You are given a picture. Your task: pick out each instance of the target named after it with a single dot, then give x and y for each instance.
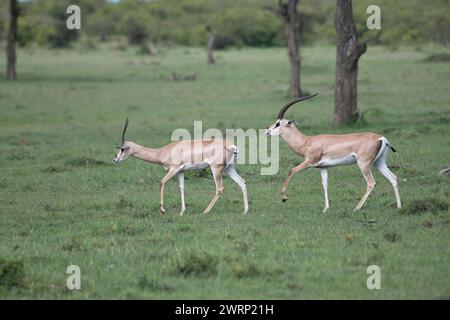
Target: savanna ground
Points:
(63, 202)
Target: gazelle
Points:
(326, 150)
(181, 156)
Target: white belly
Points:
(195, 166)
(347, 160)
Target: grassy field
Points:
(63, 202)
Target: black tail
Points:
(392, 148)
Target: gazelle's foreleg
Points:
(304, 165)
(231, 172)
(217, 174)
(170, 174)
(324, 176)
(181, 183)
(365, 170)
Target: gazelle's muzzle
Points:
(117, 158)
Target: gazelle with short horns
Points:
(180, 156)
(325, 150)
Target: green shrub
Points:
(12, 273)
(246, 270)
(419, 206)
(439, 57)
(197, 264)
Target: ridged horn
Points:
(287, 106)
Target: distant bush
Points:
(244, 23)
(223, 42)
(247, 26)
(440, 57)
(134, 27)
(48, 20)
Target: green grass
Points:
(62, 201)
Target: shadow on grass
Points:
(86, 162)
(196, 264)
(420, 206)
(12, 273)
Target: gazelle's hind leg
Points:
(381, 165)
(181, 183)
(365, 170)
(217, 174)
(231, 172)
(324, 175)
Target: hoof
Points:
(325, 210)
(162, 210)
(284, 199)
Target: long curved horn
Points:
(124, 130)
(287, 106)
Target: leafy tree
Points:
(243, 23)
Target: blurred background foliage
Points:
(234, 23)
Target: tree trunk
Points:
(347, 55)
(210, 48)
(11, 42)
(290, 20)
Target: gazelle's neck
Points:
(146, 154)
(295, 139)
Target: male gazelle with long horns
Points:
(326, 150)
(180, 156)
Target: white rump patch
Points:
(234, 149)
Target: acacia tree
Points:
(348, 53)
(289, 14)
(11, 41)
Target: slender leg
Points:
(304, 165)
(365, 169)
(324, 175)
(217, 174)
(384, 170)
(181, 182)
(231, 172)
(169, 174)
